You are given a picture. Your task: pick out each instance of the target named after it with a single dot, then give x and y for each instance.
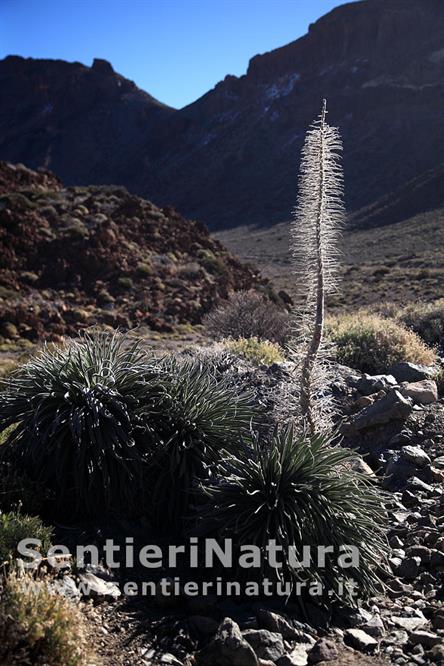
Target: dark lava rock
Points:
(404, 371)
(228, 648)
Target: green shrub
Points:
(248, 314)
(213, 264)
(104, 297)
(14, 527)
(261, 352)
(29, 277)
(38, 627)
(299, 492)
(145, 268)
(371, 343)
(76, 230)
(427, 320)
(125, 282)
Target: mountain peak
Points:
(102, 66)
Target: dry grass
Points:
(372, 343)
(38, 627)
(426, 319)
(260, 352)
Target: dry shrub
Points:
(261, 352)
(371, 343)
(439, 379)
(427, 320)
(248, 314)
(14, 527)
(38, 627)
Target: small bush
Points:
(299, 492)
(261, 352)
(39, 628)
(248, 314)
(371, 343)
(14, 527)
(213, 264)
(427, 320)
(125, 282)
(145, 268)
(104, 297)
(6, 367)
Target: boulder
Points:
(436, 655)
(403, 371)
(424, 392)
(416, 484)
(391, 407)
(398, 471)
(374, 627)
(323, 650)
(168, 659)
(266, 644)
(437, 559)
(228, 648)
(425, 638)
(409, 623)
(369, 384)
(439, 462)
(66, 587)
(360, 640)
(96, 588)
(409, 568)
(420, 551)
(438, 619)
(415, 455)
(297, 657)
(204, 625)
(278, 624)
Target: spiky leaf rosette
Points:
(77, 424)
(299, 492)
(202, 417)
(315, 230)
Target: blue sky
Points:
(174, 49)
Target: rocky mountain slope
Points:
(72, 258)
(419, 195)
(231, 157)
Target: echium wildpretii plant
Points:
(315, 228)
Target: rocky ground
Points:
(397, 422)
(397, 263)
(76, 257)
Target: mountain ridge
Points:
(231, 157)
